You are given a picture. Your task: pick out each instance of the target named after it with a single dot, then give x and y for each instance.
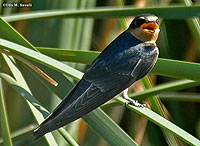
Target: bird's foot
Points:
(134, 103)
(131, 101)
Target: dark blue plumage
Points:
(124, 61)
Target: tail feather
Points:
(45, 127)
(54, 121)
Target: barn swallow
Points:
(124, 61)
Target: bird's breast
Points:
(146, 50)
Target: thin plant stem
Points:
(4, 120)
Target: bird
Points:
(128, 58)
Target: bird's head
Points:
(145, 27)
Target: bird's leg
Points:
(131, 101)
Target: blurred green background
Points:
(179, 40)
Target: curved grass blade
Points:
(4, 120)
(110, 131)
(25, 94)
(169, 86)
(181, 12)
(9, 33)
(20, 80)
(162, 122)
(164, 67)
(177, 69)
(78, 56)
(156, 105)
(194, 25)
(40, 58)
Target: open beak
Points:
(149, 27)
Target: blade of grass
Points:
(108, 129)
(85, 35)
(9, 33)
(33, 67)
(66, 33)
(78, 56)
(164, 67)
(38, 116)
(169, 86)
(35, 103)
(178, 69)
(4, 120)
(38, 57)
(181, 12)
(164, 123)
(31, 100)
(21, 133)
(180, 96)
(156, 105)
(194, 24)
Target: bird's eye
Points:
(157, 21)
(139, 22)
